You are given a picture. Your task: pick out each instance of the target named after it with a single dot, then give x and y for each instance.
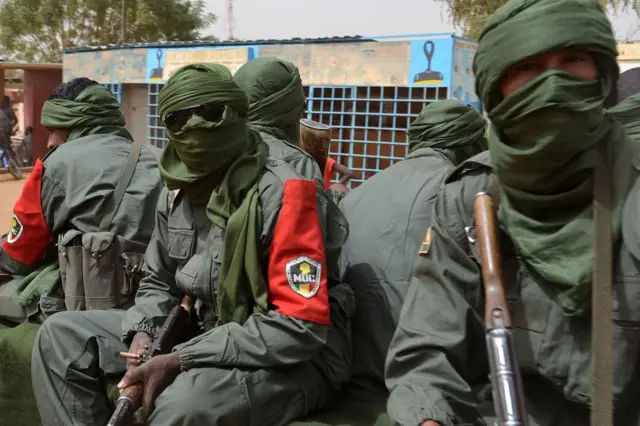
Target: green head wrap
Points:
(94, 110)
(197, 157)
(220, 164)
(627, 113)
(276, 96)
(450, 127)
(544, 135)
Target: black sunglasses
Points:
(176, 120)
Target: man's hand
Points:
(430, 423)
(346, 173)
(138, 347)
(154, 376)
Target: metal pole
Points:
(124, 22)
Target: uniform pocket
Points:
(187, 275)
(132, 264)
(99, 270)
(180, 243)
(70, 252)
(101, 275)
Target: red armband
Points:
(297, 261)
(29, 234)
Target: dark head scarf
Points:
(220, 163)
(627, 112)
(545, 135)
(450, 127)
(94, 111)
(628, 83)
(276, 96)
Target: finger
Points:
(132, 376)
(147, 400)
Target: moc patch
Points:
(16, 230)
(303, 275)
(426, 243)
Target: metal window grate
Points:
(116, 89)
(156, 134)
(369, 123)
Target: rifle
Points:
(130, 397)
(506, 383)
(315, 139)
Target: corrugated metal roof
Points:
(226, 43)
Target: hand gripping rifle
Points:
(506, 383)
(131, 396)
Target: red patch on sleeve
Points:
(297, 262)
(29, 234)
(328, 172)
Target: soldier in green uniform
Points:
(442, 136)
(276, 104)
(377, 258)
(627, 112)
(245, 235)
(64, 201)
(545, 71)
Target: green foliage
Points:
(38, 30)
(469, 15)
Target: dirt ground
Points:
(9, 191)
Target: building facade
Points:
(368, 89)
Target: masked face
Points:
(572, 61)
(551, 113)
(209, 146)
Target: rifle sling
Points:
(121, 186)
(601, 317)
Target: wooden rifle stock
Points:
(506, 382)
(130, 397)
(488, 240)
(315, 139)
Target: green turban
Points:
(627, 113)
(545, 136)
(197, 157)
(276, 96)
(453, 128)
(94, 110)
(524, 28)
(220, 164)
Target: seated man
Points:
(65, 200)
(627, 112)
(558, 160)
(378, 257)
(245, 235)
(68, 196)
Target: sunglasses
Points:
(176, 120)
